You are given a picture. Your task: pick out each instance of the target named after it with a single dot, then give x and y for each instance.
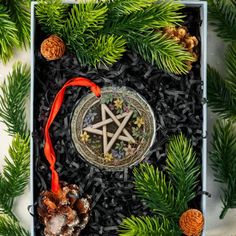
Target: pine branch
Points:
(148, 226)
(183, 169)
(84, 18)
(106, 50)
(11, 227)
(165, 53)
(16, 170)
(221, 98)
(231, 63)
(124, 7)
(223, 161)
(222, 15)
(51, 15)
(20, 14)
(8, 35)
(162, 14)
(152, 187)
(12, 100)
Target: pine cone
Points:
(64, 214)
(191, 222)
(52, 48)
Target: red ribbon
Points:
(48, 147)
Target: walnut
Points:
(52, 48)
(191, 222)
(64, 214)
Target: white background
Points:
(214, 226)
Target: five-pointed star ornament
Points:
(120, 134)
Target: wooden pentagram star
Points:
(126, 137)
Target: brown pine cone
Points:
(52, 48)
(191, 222)
(66, 213)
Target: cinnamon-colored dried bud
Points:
(195, 40)
(169, 31)
(189, 64)
(191, 222)
(195, 57)
(181, 31)
(189, 43)
(177, 39)
(52, 48)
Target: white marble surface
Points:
(214, 226)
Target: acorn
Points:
(191, 222)
(52, 48)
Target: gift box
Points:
(39, 106)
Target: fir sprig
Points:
(15, 175)
(223, 162)
(51, 14)
(222, 15)
(124, 7)
(152, 187)
(222, 91)
(20, 15)
(148, 226)
(8, 35)
(12, 100)
(169, 55)
(183, 169)
(11, 227)
(166, 196)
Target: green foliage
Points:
(222, 15)
(14, 26)
(12, 100)
(166, 196)
(182, 168)
(51, 14)
(148, 226)
(91, 26)
(169, 55)
(8, 35)
(223, 162)
(124, 7)
(11, 227)
(222, 91)
(20, 15)
(152, 187)
(231, 64)
(15, 175)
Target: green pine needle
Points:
(8, 35)
(15, 175)
(107, 49)
(11, 227)
(152, 187)
(16, 170)
(182, 168)
(223, 161)
(165, 53)
(222, 15)
(231, 63)
(84, 18)
(12, 100)
(221, 98)
(19, 12)
(148, 226)
(51, 14)
(124, 7)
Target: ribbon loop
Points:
(48, 147)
